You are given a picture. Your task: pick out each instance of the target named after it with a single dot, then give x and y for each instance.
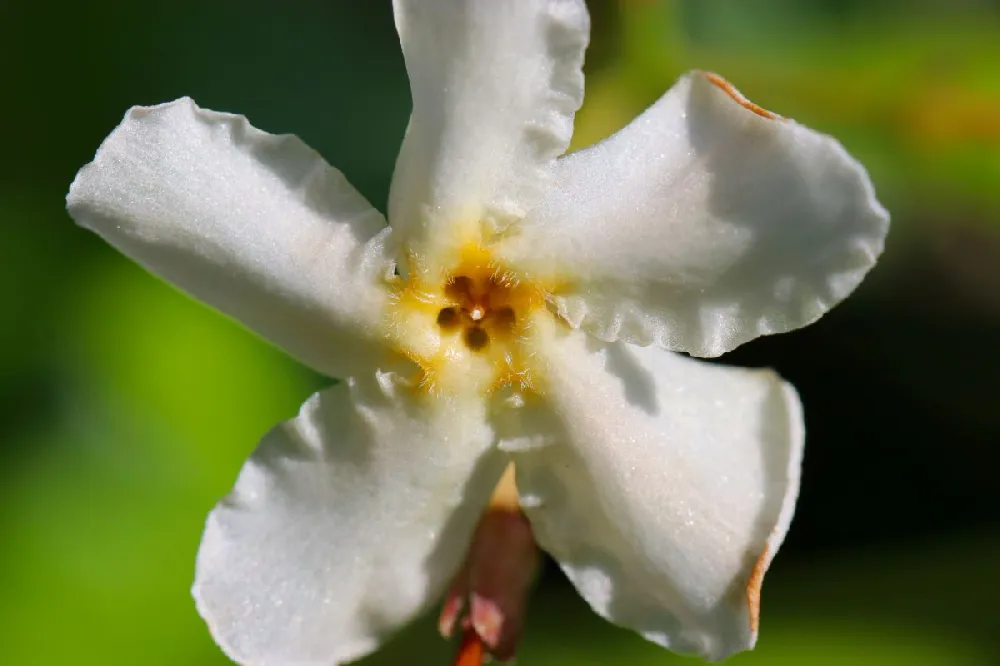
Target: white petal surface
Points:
(257, 226)
(495, 86)
(666, 489)
(703, 224)
(344, 524)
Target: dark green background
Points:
(126, 409)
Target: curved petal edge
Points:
(495, 87)
(346, 522)
(256, 225)
(703, 224)
(665, 488)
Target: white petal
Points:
(344, 524)
(703, 224)
(666, 489)
(257, 226)
(495, 86)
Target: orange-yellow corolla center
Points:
(465, 323)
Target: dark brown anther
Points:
(504, 317)
(476, 339)
(459, 287)
(447, 318)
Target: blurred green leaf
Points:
(917, 104)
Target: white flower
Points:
(510, 330)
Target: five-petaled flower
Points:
(519, 306)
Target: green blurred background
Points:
(127, 409)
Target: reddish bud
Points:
(493, 584)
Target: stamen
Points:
(476, 339)
(504, 316)
(459, 287)
(447, 317)
(479, 309)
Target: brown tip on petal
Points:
(730, 90)
(753, 590)
(471, 652)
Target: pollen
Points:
(464, 322)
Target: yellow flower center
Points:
(464, 324)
